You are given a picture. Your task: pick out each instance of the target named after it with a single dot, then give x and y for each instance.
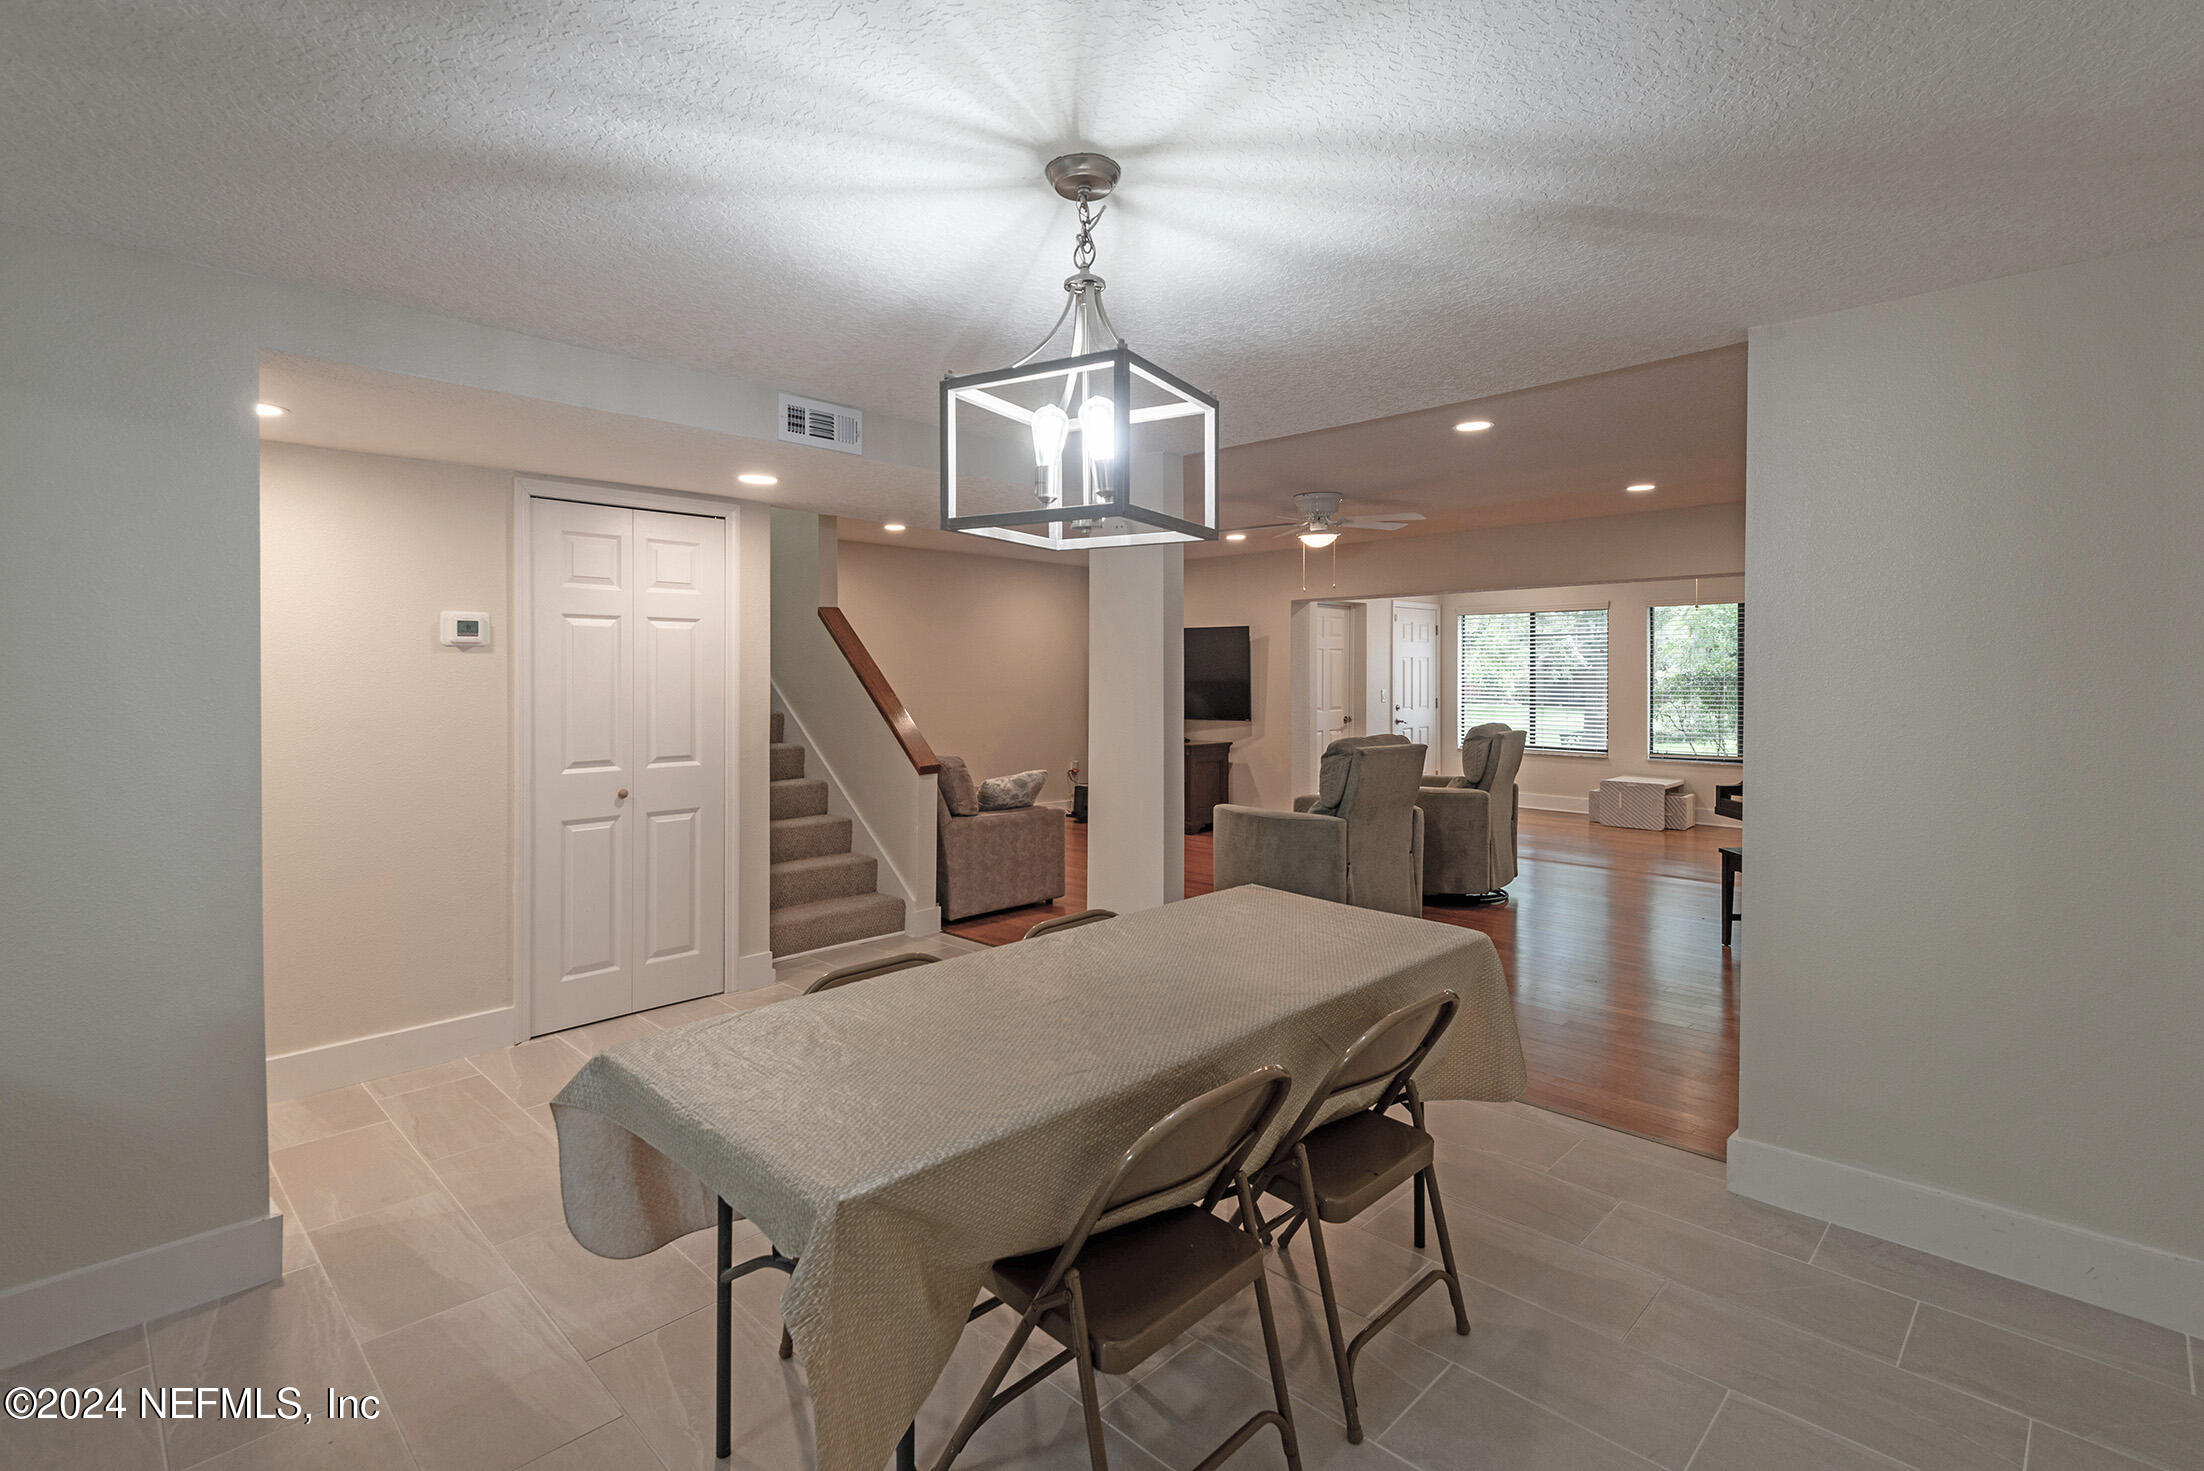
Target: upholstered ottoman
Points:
(1650, 803)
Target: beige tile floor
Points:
(1629, 1311)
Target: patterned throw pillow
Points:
(1006, 793)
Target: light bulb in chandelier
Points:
(1098, 444)
(1051, 425)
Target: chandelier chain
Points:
(1082, 250)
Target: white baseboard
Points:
(341, 1064)
(922, 920)
(753, 972)
(54, 1313)
(2157, 1286)
(1543, 802)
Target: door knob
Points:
(622, 794)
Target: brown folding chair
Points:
(1336, 1171)
(868, 970)
(1069, 922)
(1113, 1297)
(729, 1272)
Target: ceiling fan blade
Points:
(1293, 530)
(1383, 518)
(1266, 525)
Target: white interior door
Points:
(1329, 683)
(1416, 675)
(629, 778)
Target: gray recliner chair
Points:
(1469, 821)
(1357, 841)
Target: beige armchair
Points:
(1357, 841)
(984, 861)
(1469, 821)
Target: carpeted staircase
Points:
(822, 893)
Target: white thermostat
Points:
(465, 630)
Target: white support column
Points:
(1136, 736)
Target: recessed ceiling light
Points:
(752, 477)
(1640, 488)
(1235, 536)
(268, 411)
(1473, 426)
(891, 526)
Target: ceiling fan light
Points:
(1315, 539)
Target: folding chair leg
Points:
(906, 1450)
(1340, 1363)
(982, 1401)
(1090, 1403)
(1446, 1255)
(1419, 1210)
(1278, 1375)
(726, 1333)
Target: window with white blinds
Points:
(1544, 673)
(1697, 688)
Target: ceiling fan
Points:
(1321, 523)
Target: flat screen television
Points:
(1217, 674)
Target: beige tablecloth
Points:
(898, 1135)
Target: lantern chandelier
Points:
(1097, 448)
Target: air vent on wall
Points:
(822, 425)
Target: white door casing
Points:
(1416, 675)
(1331, 670)
(628, 790)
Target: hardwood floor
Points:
(1612, 941)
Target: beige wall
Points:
(1261, 591)
(133, 1061)
(386, 805)
(1973, 953)
(1563, 781)
(989, 654)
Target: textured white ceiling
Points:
(1333, 211)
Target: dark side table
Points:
(1733, 863)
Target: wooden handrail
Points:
(900, 724)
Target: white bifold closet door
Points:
(629, 761)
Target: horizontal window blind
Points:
(1697, 688)
(1543, 673)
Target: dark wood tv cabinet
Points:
(1208, 781)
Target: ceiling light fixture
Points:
(1235, 536)
(892, 526)
(1473, 426)
(1009, 468)
(753, 477)
(1315, 539)
(1640, 488)
(268, 410)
